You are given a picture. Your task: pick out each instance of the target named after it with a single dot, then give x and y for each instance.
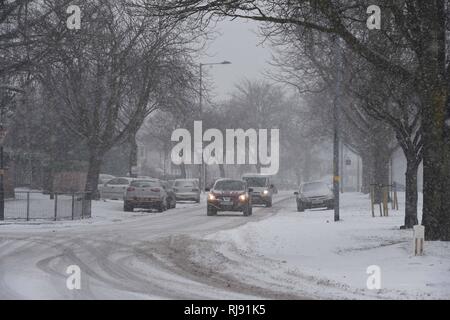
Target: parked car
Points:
(187, 189)
(115, 188)
(104, 178)
(263, 188)
(147, 194)
(314, 195)
(229, 195)
(171, 196)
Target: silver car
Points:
(104, 178)
(147, 194)
(187, 189)
(115, 188)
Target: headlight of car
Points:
(211, 197)
(265, 192)
(243, 197)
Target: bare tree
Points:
(108, 77)
(419, 29)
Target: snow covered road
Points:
(137, 255)
(277, 253)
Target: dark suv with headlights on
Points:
(314, 195)
(229, 195)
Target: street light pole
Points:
(336, 176)
(203, 165)
(2, 189)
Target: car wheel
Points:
(127, 207)
(300, 207)
(211, 211)
(161, 207)
(269, 204)
(197, 200)
(174, 204)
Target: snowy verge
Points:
(309, 254)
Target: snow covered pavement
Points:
(309, 253)
(277, 253)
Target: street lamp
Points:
(201, 78)
(2, 170)
(203, 169)
(337, 90)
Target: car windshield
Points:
(256, 181)
(145, 184)
(185, 184)
(315, 186)
(229, 185)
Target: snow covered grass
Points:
(102, 212)
(337, 254)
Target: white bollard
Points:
(418, 241)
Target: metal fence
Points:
(34, 205)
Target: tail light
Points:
(155, 189)
(131, 189)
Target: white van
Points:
(262, 186)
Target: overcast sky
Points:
(238, 43)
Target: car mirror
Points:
(296, 193)
(272, 186)
(250, 189)
(207, 189)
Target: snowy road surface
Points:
(277, 253)
(136, 255)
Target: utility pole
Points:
(337, 89)
(358, 182)
(2, 168)
(203, 165)
(342, 165)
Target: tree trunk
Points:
(367, 172)
(436, 170)
(183, 170)
(298, 176)
(95, 162)
(307, 167)
(381, 170)
(434, 91)
(258, 167)
(132, 159)
(411, 193)
(222, 171)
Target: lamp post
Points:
(203, 166)
(2, 170)
(337, 89)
